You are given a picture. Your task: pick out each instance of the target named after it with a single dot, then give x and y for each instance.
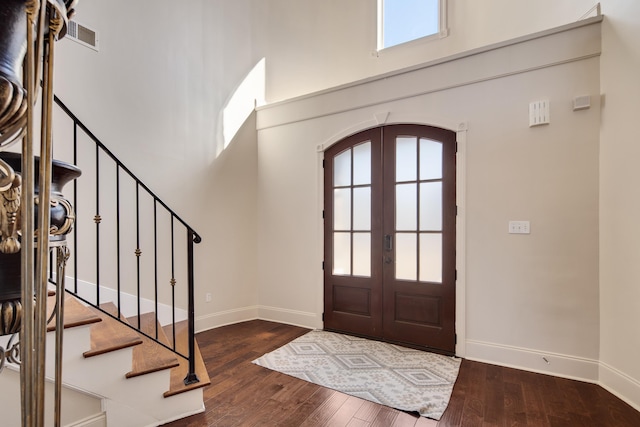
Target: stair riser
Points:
(105, 375)
(121, 415)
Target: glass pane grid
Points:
(352, 211)
(419, 206)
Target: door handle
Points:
(388, 243)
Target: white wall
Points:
(156, 89)
(78, 408)
(620, 200)
(313, 45)
(154, 94)
(526, 296)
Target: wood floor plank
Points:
(368, 412)
(251, 398)
(514, 412)
(75, 313)
(427, 422)
(554, 403)
(494, 397)
(244, 394)
(325, 410)
(226, 403)
(533, 400)
(473, 408)
(386, 416)
(453, 414)
(149, 356)
(404, 420)
(283, 402)
(110, 335)
(346, 412)
(308, 407)
(179, 373)
(355, 422)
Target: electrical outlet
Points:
(207, 297)
(519, 227)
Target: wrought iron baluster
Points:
(155, 262)
(97, 219)
(138, 251)
(118, 248)
(191, 375)
(173, 287)
(75, 204)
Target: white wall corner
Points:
(227, 317)
(620, 384)
(303, 319)
(560, 365)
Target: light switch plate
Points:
(519, 227)
(539, 113)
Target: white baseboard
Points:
(560, 365)
(128, 302)
(620, 385)
(303, 319)
(185, 415)
(274, 314)
(98, 420)
(616, 382)
(227, 317)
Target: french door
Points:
(390, 236)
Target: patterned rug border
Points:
(399, 377)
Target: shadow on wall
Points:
(249, 94)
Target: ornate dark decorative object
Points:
(62, 218)
(28, 34)
(13, 46)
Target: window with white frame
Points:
(402, 21)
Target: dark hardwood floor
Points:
(243, 394)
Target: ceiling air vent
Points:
(83, 35)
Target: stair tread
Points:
(75, 314)
(180, 372)
(110, 335)
(150, 357)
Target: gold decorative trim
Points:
(70, 217)
(9, 215)
(10, 317)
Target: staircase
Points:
(139, 382)
(128, 258)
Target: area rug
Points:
(399, 377)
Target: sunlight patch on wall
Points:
(249, 94)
